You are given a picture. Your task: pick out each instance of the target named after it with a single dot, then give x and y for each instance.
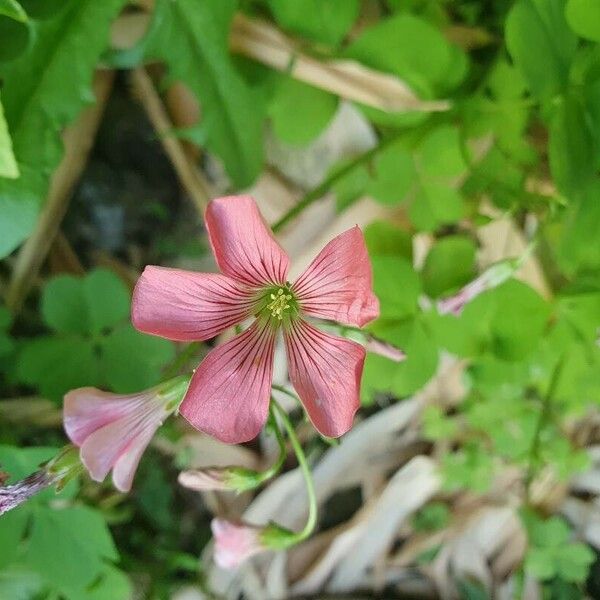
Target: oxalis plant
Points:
(230, 395)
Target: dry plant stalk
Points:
(189, 175)
(78, 140)
(348, 79)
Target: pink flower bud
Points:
(383, 348)
(235, 542)
(113, 430)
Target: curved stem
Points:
(276, 466)
(310, 487)
(284, 390)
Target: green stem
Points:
(546, 405)
(310, 487)
(276, 466)
(284, 390)
(181, 360)
(323, 188)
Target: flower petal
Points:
(326, 372)
(127, 464)
(243, 245)
(105, 447)
(228, 397)
(235, 543)
(185, 306)
(88, 409)
(338, 284)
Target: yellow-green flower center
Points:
(278, 304)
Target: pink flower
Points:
(229, 394)
(112, 430)
(234, 543)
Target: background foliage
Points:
(520, 139)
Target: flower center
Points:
(279, 303)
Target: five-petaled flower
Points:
(228, 396)
(113, 430)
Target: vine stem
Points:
(276, 466)
(338, 174)
(310, 487)
(546, 405)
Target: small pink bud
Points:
(235, 542)
(383, 348)
(236, 479)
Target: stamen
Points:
(279, 303)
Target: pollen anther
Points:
(279, 303)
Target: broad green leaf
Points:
(404, 378)
(392, 174)
(69, 548)
(192, 38)
(541, 44)
(20, 584)
(8, 164)
(584, 18)
(112, 585)
(64, 305)
(300, 112)
(449, 265)
(396, 285)
(107, 300)
(133, 361)
(413, 50)
(15, 36)
(12, 9)
(44, 9)
(12, 529)
(574, 562)
(578, 247)
(385, 239)
(539, 562)
(56, 365)
(572, 150)
(44, 90)
(441, 154)
(321, 20)
(435, 204)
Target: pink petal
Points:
(243, 245)
(127, 464)
(88, 409)
(228, 397)
(234, 543)
(185, 306)
(338, 284)
(101, 450)
(326, 372)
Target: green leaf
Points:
(441, 153)
(192, 38)
(300, 112)
(584, 18)
(406, 377)
(56, 365)
(431, 517)
(413, 50)
(113, 585)
(8, 164)
(133, 361)
(44, 90)
(572, 150)
(435, 204)
(393, 174)
(15, 36)
(12, 529)
(539, 562)
(64, 305)
(69, 547)
(574, 562)
(321, 20)
(384, 239)
(12, 9)
(541, 44)
(449, 265)
(20, 584)
(578, 244)
(107, 299)
(396, 285)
